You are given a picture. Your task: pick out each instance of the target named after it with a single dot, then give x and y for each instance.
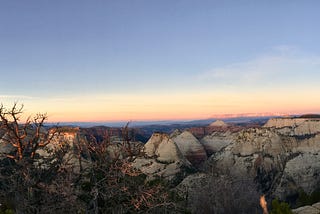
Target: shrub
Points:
(280, 207)
(305, 199)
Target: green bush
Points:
(9, 211)
(280, 207)
(305, 199)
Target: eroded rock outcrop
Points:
(301, 171)
(295, 126)
(162, 148)
(247, 150)
(279, 159)
(216, 141)
(190, 148)
(255, 141)
(162, 158)
(279, 164)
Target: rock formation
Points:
(280, 158)
(295, 126)
(163, 148)
(190, 148)
(314, 209)
(218, 123)
(280, 164)
(163, 158)
(216, 141)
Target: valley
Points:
(218, 167)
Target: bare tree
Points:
(106, 183)
(115, 186)
(26, 137)
(32, 183)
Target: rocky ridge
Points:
(280, 163)
(295, 126)
(280, 158)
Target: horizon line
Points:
(214, 116)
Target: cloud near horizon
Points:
(281, 66)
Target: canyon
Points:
(279, 159)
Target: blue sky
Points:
(93, 55)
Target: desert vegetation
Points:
(42, 175)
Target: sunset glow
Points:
(171, 107)
(113, 61)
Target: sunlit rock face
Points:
(162, 158)
(70, 140)
(66, 136)
(55, 140)
(295, 126)
(190, 148)
(59, 139)
(218, 123)
(163, 148)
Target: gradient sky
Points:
(105, 60)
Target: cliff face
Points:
(248, 152)
(295, 126)
(279, 164)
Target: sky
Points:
(104, 60)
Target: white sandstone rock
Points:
(216, 141)
(219, 123)
(190, 147)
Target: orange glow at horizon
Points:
(100, 108)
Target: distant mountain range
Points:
(242, 119)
